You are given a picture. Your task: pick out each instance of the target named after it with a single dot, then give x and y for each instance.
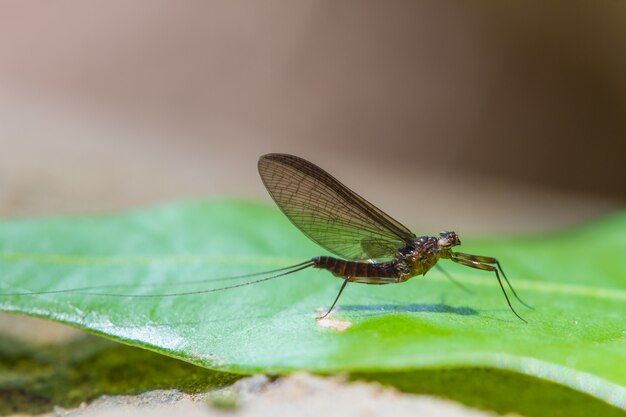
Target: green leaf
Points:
(498, 390)
(576, 336)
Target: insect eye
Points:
(443, 242)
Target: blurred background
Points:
(482, 117)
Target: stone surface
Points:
(298, 395)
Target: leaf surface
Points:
(576, 280)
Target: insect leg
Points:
(454, 281)
(490, 260)
(484, 267)
(345, 282)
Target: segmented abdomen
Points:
(352, 269)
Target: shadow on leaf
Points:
(411, 308)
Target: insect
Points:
(370, 246)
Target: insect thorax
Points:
(422, 255)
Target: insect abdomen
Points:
(352, 269)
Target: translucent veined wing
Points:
(330, 213)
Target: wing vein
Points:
(330, 213)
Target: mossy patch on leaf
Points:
(34, 379)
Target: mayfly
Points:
(371, 247)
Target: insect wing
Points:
(328, 212)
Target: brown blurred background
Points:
(479, 116)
